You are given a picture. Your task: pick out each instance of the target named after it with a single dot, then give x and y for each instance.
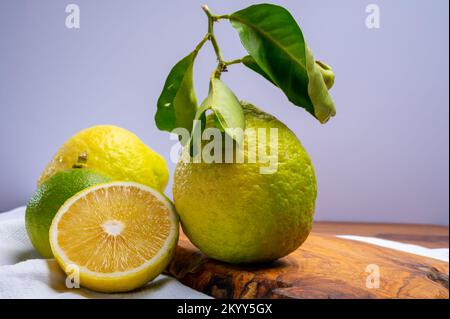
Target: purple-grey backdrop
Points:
(384, 157)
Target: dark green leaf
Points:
(177, 103)
(249, 62)
(271, 36)
(327, 72)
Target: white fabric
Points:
(435, 253)
(24, 275)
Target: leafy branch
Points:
(276, 50)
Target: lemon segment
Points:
(119, 235)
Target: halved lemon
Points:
(117, 236)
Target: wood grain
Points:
(431, 236)
(324, 267)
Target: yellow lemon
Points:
(112, 151)
(117, 236)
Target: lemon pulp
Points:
(120, 235)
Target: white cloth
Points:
(435, 253)
(24, 275)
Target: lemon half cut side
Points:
(117, 236)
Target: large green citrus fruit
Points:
(233, 213)
(49, 197)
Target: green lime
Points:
(234, 212)
(49, 197)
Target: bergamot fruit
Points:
(234, 213)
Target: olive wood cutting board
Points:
(323, 267)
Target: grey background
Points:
(384, 157)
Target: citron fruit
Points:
(49, 197)
(118, 236)
(113, 151)
(234, 213)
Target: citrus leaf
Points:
(199, 123)
(318, 91)
(227, 109)
(327, 72)
(274, 40)
(177, 103)
(249, 62)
